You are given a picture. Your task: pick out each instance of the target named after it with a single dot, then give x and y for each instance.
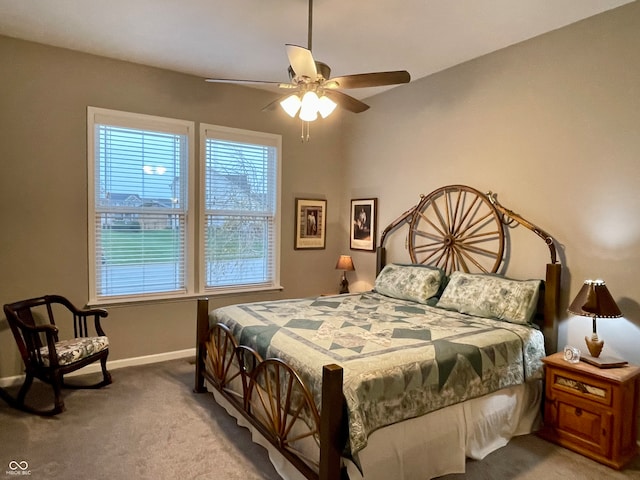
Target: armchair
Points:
(48, 358)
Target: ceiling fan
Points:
(312, 91)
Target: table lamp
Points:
(344, 263)
(594, 300)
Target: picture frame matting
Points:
(363, 215)
(310, 223)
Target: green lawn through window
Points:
(137, 246)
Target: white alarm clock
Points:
(571, 354)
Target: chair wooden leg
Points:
(22, 394)
(19, 402)
(56, 383)
(105, 372)
(106, 378)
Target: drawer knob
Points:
(578, 412)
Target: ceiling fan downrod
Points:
(310, 25)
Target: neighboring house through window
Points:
(143, 222)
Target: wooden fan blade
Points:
(301, 61)
(347, 102)
(275, 104)
(234, 80)
(249, 82)
(374, 79)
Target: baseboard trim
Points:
(114, 364)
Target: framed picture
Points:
(363, 224)
(311, 221)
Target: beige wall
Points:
(44, 94)
(553, 126)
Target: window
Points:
(146, 239)
(140, 234)
(241, 209)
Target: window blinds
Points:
(140, 209)
(241, 208)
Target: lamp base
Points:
(594, 345)
(344, 284)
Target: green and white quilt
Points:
(401, 359)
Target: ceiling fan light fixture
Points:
(309, 107)
(291, 105)
(310, 79)
(326, 106)
(308, 115)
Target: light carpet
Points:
(150, 425)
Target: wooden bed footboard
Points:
(216, 349)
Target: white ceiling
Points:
(245, 39)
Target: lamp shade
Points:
(345, 263)
(326, 106)
(291, 105)
(309, 107)
(594, 300)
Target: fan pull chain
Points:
(304, 137)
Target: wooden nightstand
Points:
(591, 410)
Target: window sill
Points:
(152, 300)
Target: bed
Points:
(439, 362)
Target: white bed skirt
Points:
(432, 445)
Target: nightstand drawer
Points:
(581, 386)
(583, 427)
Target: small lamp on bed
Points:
(594, 300)
(344, 263)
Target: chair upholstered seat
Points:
(72, 350)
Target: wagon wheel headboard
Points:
(457, 227)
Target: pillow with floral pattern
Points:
(417, 283)
(491, 296)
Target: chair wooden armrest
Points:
(82, 314)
